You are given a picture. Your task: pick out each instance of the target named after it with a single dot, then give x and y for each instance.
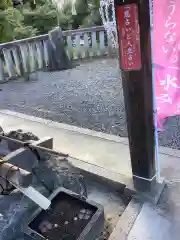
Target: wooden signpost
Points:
(133, 24)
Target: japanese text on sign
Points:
(167, 55)
(129, 37)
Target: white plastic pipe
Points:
(35, 196)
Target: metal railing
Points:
(22, 57)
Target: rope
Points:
(37, 155)
(33, 150)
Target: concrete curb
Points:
(105, 136)
(57, 125)
(126, 221)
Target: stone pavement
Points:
(111, 153)
(143, 221)
(152, 224)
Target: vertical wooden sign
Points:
(129, 37)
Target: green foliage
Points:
(5, 4)
(41, 18)
(87, 14)
(31, 19)
(82, 7)
(12, 27)
(22, 31)
(93, 19)
(44, 18)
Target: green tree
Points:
(41, 16)
(87, 13)
(12, 27)
(4, 4)
(93, 17)
(45, 17)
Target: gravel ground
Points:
(89, 96)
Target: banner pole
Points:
(157, 158)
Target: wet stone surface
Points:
(15, 208)
(50, 173)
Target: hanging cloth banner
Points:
(166, 57)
